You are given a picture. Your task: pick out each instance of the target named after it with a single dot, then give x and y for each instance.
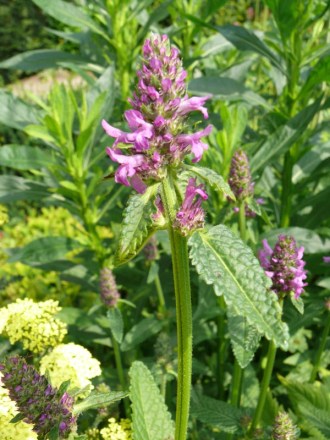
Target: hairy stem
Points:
(180, 262)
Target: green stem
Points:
(120, 372)
(180, 262)
(264, 386)
(242, 221)
(221, 348)
(286, 190)
(320, 350)
(160, 293)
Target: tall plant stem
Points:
(320, 350)
(120, 372)
(221, 348)
(180, 262)
(286, 190)
(271, 354)
(160, 293)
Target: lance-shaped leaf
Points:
(244, 338)
(225, 261)
(137, 224)
(13, 188)
(24, 157)
(151, 419)
(16, 113)
(213, 179)
(116, 323)
(96, 400)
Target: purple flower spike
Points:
(191, 214)
(326, 259)
(157, 138)
(240, 180)
(108, 288)
(284, 266)
(41, 405)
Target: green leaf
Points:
(216, 413)
(136, 226)
(116, 323)
(226, 89)
(54, 433)
(244, 338)
(225, 261)
(140, 332)
(318, 74)
(244, 39)
(283, 138)
(13, 188)
(297, 303)
(43, 250)
(17, 418)
(34, 60)
(151, 419)
(24, 157)
(311, 160)
(64, 386)
(95, 400)
(213, 179)
(312, 403)
(15, 113)
(69, 14)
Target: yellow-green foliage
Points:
(117, 430)
(34, 283)
(33, 324)
(12, 431)
(71, 362)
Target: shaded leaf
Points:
(116, 323)
(140, 332)
(225, 261)
(216, 413)
(34, 60)
(43, 250)
(151, 418)
(24, 157)
(69, 14)
(227, 89)
(16, 113)
(13, 188)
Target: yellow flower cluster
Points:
(33, 324)
(71, 362)
(117, 431)
(12, 431)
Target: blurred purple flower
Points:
(284, 265)
(108, 288)
(191, 215)
(41, 405)
(326, 259)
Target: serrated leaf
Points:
(43, 250)
(116, 323)
(244, 338)
(298, 303)
(225, 261)
(216, 413)
(24, 157)
(140, 332)
(312, 403)
(137, 225)
(213, 179)
(151, 419)
(95, 400)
